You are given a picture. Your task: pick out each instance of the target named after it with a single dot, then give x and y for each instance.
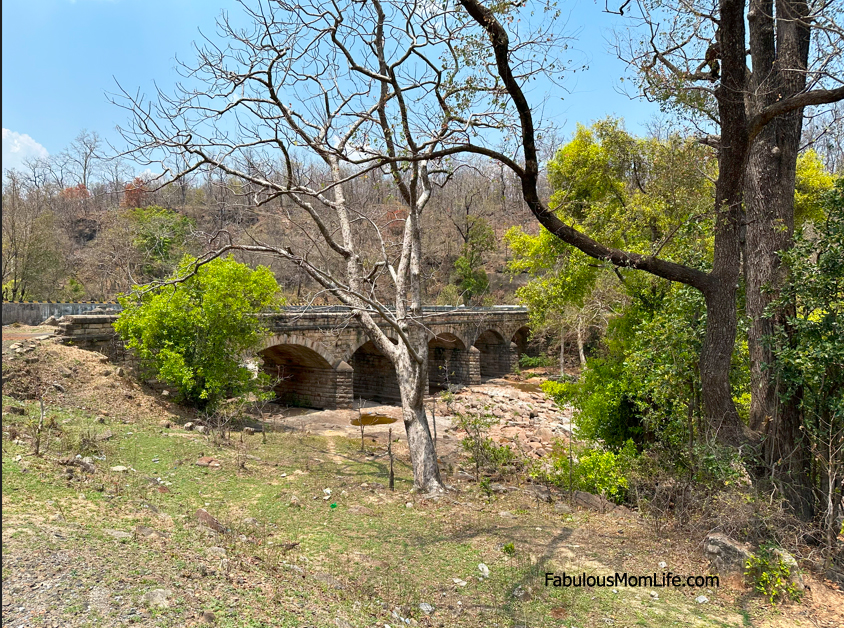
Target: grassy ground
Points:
(92, 548)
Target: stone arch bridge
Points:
(321, 357)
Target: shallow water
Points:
(528, 387)
(368, 418)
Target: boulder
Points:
(540, 493)
(209, 521)
(725, 554)
(793, 568)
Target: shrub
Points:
(771, 576)
(593, 470)
(483, 452)
(194, 334)
(529, 362)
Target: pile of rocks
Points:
(528, 420)
(26, 346)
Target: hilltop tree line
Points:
(81, 226)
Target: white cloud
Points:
(18, 148)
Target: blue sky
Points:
(60, 57)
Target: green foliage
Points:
(808, 349)
(594, 470)
(468, 268)
(449, 295)
(509, 549)
(606, 411)
(159, 235)
(771, 576)
(195, 334)
(809, 352)
(812, 184)
(484, 453)
(529, 362)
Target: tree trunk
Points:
(580, 351)
(779, 72)
(423, 456)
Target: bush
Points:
(593, 470)
(771, 576)
(194, 334)
(483, 452)
(529, 362)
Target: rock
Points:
(562, 508)
(663, 564)
(725, 555)
(701, 599)
(654, 595)
(50, 322)
(426, 608)
(459, 582)
(165, 393)
(484, 570)
(120, 469)
(189, 425)
(209, 521)
(208, 461)
(409, 505)
(104, 436)
(592, 502)
(118, 534)
(496, 487)
(361, 510)
(87, 467)
(207, 618)
(540, 493)
(159, 598)
(216, 552)
(202, 429)
(148, 533)
(545, 434)
(788, 560)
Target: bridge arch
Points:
(306, 374)
(496, 354)
(374, 375)
(450, 361)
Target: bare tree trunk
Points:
(562, 351)
(580, 352)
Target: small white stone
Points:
(701, 599)
(663, 564)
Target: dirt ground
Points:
(77, 549)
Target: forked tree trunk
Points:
(423, 456)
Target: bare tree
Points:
(377, 89)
